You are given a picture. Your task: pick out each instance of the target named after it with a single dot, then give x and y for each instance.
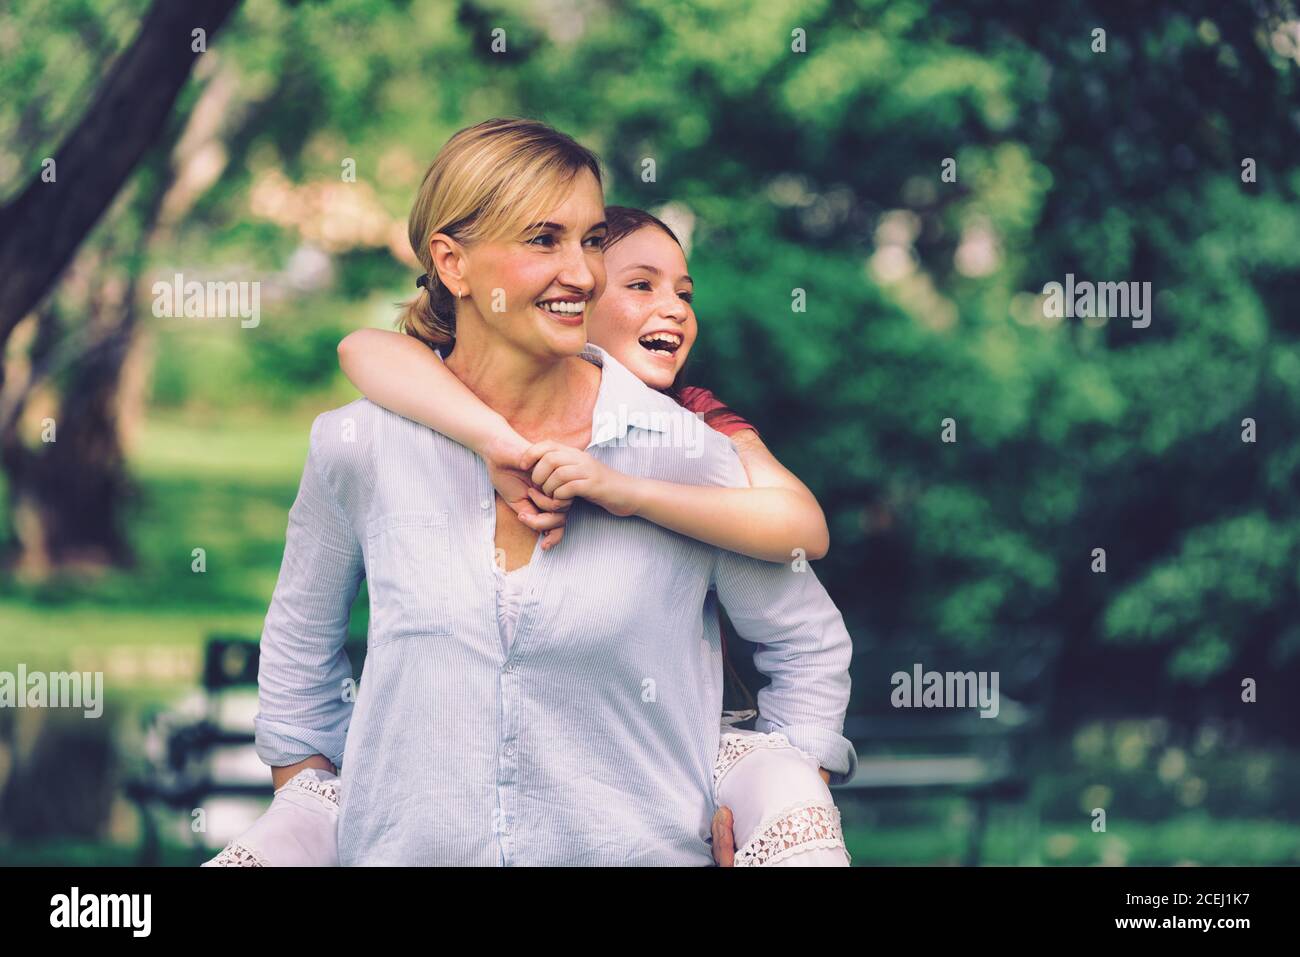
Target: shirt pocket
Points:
(407, 575)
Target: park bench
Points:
(204, 751)
(946, 753)
(918, 752)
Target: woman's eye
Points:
(596, 242)
(542, 239)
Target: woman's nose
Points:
(576, 271)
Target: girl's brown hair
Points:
(489, 181)
(622, 221)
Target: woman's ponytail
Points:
(431, 315)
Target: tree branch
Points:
(41, 228)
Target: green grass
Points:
(1187, 839)
(224, 486)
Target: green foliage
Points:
(821, 171)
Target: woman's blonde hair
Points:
(489, 181)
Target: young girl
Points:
(645, 321)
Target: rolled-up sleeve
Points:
(303, 707)
(803, 647)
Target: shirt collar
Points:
(624, 402)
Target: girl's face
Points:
(535, 290)
(644, 317)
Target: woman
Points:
(574, 730)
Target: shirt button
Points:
(510, 666)
(510, 749)
(485, 503)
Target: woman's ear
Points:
(449, 262)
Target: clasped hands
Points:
(539, 482)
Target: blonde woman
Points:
(523, 705)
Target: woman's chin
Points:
(566, 341)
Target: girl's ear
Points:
(449, 262)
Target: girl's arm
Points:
(407, 377)
(769, 520)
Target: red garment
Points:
(717, 414)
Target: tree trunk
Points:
(67, 496)
(44, 225)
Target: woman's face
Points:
(535, 289)
(644, 317)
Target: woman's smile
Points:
(566, 310)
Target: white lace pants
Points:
(782, 811)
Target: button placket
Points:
(506, 777)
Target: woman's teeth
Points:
(563, 308)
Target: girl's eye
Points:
(687, 296)
(640, 284)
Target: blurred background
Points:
(918, 170)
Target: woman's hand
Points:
(724, 838)
(539, 512)
(565, 473)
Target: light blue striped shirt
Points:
(591, 739)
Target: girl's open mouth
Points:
(663, 344)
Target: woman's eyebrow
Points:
(655, 272)
(559, 227)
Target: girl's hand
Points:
(565, 473)
(539, 512)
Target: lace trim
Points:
(792, 831)
(732, 747)
(236, 855)
(326, 790)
